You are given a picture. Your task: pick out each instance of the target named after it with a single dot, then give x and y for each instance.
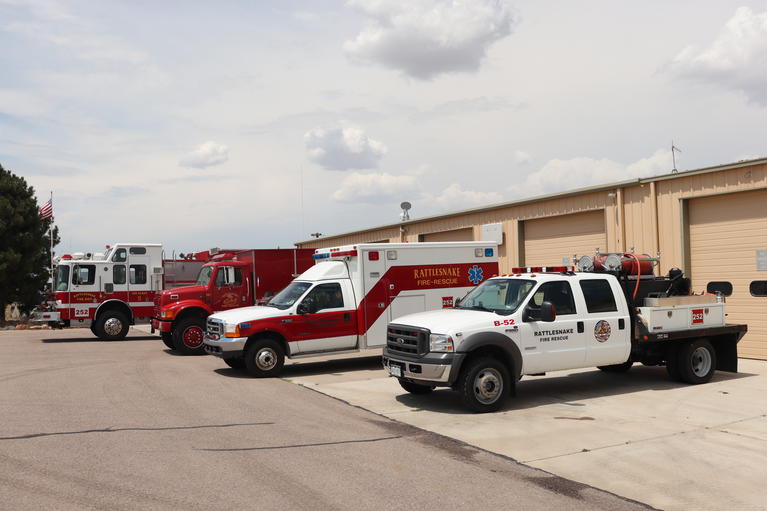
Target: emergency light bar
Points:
(543, 269)
(329, 255)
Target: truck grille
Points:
(407, 340)
(215, 327)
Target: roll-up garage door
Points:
(548, 240)
(454, 235)
(726, 231)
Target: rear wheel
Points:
(617, 368)
(697, 361)
(415, 388)
(111, 325)
(485, 384)
(188, 335)
(167, 339)
(264, 358)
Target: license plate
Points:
(395, 371)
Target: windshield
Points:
(204, 277)
(289, 295)
(62, 277)
(503, 296)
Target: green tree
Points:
(25, 244)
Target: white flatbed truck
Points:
(538, 320)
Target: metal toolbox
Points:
(682, 317)
(679, 300)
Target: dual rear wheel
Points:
(692, 362)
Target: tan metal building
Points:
(712, 222)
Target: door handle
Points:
(580, 327)
(621, 324)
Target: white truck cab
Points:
(536, 322)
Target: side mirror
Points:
(306, 307)
(548, 312)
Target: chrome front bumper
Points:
(224, 347)
(418, 371)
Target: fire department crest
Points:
(602, 331)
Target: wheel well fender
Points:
(118, 305)
(191, 311)
(496, 345)
(268, 334)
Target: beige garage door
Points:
(725, 233)
(455, 235)
(548, 240)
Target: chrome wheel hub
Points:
(266, 359)
(488, 386)
(113, 326)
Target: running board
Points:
(326, 352)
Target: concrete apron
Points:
(639, 435)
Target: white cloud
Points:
(207, 155)
(454, 197)
(21, 104)
(557, 175)
(343, 148)
(425, 38)
(736, 60)
(522, 157)
(374, 188)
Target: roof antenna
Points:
(673, 156)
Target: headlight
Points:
(166, 314)
(232, 330)
(440, 342)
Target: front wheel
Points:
(264, 358)
(485, 385)
(696, 361)
(111, 325)
(188, 335)
(415, 388)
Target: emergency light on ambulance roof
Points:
(336, 253)
(488, 252)
(66, 256)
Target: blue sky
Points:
(195, 124)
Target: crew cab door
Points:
(326, 319)
(229, 289)
(606, 322)
(552, 345)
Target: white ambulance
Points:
(344, 302)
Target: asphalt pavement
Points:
(89, 424)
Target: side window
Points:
(326, 296)
(229, 276)
(599, 296)
(559, 293)
(84, 274)
(758, 288)
(719, 287)
(138, 274)
(138, 250)
(120, 256)
(118, 274)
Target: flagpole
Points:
(50, 235)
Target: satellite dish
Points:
(406, 205)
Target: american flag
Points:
(46, 211)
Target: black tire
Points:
(672, 363)
(617, 368)
(484, 384)
(167, 339)
(415, 388)
(264, 358)
(188, 334)
(111, 325)
(235, 362)
(697, 361)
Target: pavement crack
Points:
(112, 429)
(295, 446)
